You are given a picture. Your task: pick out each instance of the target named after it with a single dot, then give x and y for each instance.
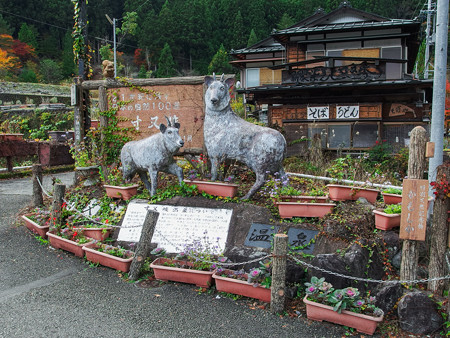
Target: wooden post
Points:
(439, 235)
(277, 300)
(58, 197)
(416, 168)
(78, 118)
(143, 247)
(38, 200)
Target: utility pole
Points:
(439, 79)
(428, 40)
(113, 23)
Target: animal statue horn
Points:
(227, 136)
(169, 123)
(153, 154)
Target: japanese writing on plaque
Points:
(347, 112)
(178, 226)
(414, 209)
(302, 240)
(261, 235)
(318, 113)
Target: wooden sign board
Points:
(414, 209)
(145, 111)
(178, 226)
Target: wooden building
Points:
(345, 75)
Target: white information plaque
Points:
(178, 226)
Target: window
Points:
(252, 77)
(366, 52)
(269, 76)
(364, 135)
(317, 131)
(339, 136)
(311, 56)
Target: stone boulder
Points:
(356, 262)
(387, 295)
(418, 314)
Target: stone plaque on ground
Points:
(301, 239)
(178, 226)
(261, 235)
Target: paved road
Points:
(50, 293)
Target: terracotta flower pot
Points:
(292, 209)
(391, 198)
(215, 188)
(240, 287)
(40, 230)
(338, 192)
(384, 221)
(362, 323)
(61, 243)
(304, 199)
(190, 276)
(124, 193)
(99, 234)
(114, 262)
(11, 137)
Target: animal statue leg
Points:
(154, 179)
(176, 170)
(144, 178)
(214, 166)
(260, 179)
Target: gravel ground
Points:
(50, 293)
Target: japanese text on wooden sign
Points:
(146, 111)
(347, 112)
(414, 209)
(178, 226)
(318, 113)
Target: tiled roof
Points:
(274, 48)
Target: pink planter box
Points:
(304, 199)
(40, 230)
(117, 263)
(338, 192)
(95, 233)
(362, 323)
(215, 188)
(385, 221)
(292, 209)
(391, 198)
(124, 193)
(67, 245)
(243, 288)
(190, 276)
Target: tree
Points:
(238, 37)
(5, 28)
(106, 52)
(285, 22)
(28, 34)
(68, 66)
(220, 62)
(50, 71)
(252, 39)
(166, 65)
(23, 51)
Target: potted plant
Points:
(111, 256)
(200, 177)
(392, 196)
(254, 284)
(94, 230)
(337, 192)
(193, 266)
(115, 185)
(38, 221)
(342, 306)
(86, 168)
(69, 240)
(389, 217)
(304, 209)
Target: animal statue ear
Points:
(222, 77)
(229, 82)
(208, 80)
(177, 125)
(162, 128)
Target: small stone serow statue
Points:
(153, 154)
(108, 68)
(227, 136)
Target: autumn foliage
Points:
(14, 53)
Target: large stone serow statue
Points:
(153, 154)
(227, 136)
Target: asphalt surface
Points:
(51, 293)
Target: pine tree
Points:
(28, 34)
(285, 22)
(220, 62)
(67, 64)
(252, 39)
(166, 65)
(5, 28)
(238, 38)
